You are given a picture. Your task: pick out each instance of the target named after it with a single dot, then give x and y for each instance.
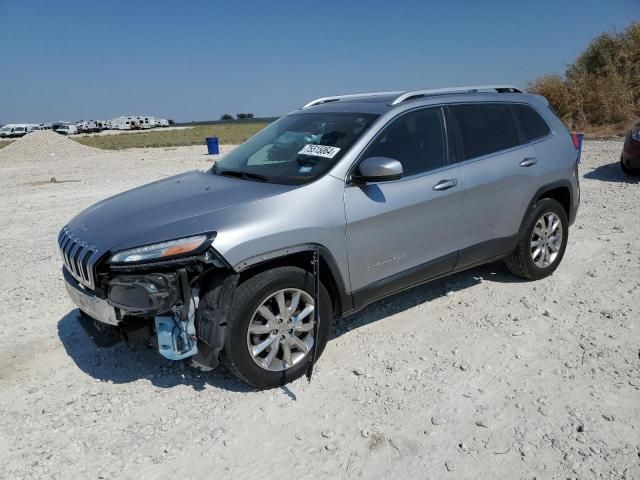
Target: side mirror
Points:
(377, 169)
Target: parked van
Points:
(66, 129)
(14, 130)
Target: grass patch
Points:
(4, 143)
(231, 134)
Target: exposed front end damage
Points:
(159, 305)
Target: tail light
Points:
(577, 143)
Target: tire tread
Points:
(243, 295)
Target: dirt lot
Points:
(480, 375)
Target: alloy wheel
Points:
(546, 240)
(280, 333)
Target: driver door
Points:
(402, 232)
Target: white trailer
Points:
(138, 122)
(88, 126)
(132, 122)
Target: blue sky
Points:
(195, 60)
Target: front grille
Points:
(79, 257)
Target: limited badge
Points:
(319, 151)
(305, 169)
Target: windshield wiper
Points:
(244, 175)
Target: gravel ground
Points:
(480, 375)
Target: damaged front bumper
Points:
(89, 303)
(159, 306)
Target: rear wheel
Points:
(542, 241)
(271, 327)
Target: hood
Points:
(175, 207)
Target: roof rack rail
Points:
(441, 91)
(335, 98)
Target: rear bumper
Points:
(631, 160)
(631, 152)
(573, 214)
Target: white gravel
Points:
(479, 375)
(44, 145)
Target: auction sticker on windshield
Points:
(319, 151)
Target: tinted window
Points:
(485, 128)
(532, 124)
(415, 139)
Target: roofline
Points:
(403, 96)
(467, 89)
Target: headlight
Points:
(635, 134)
(162, 250)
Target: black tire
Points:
(632, 172)
(520, 262)
(247, 298)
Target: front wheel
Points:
(271, 327)
(542, 241)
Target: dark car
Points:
(630, 158)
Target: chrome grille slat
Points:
(71, 254)
(78, 256)
(83, 272)
(65, 252)
(63, 243)
(75, 260)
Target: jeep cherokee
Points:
(340, 203)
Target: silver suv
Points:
(338, 204)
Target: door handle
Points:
(445, 184)
(529, 162)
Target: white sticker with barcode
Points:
(319, 151)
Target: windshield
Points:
(296, 149)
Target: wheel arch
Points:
(559, 190)
(300, 256)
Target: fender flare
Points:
(345, 301)
(542, 190)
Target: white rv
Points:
(128, 123)
(88, 126)
(138, 122)
(159, 122)
(103, 124)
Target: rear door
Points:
(399, 232)
(498, 171)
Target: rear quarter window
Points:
(531, 122)
(485, 128)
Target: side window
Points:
(532, 124)
(485, 128)
(416, 139)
